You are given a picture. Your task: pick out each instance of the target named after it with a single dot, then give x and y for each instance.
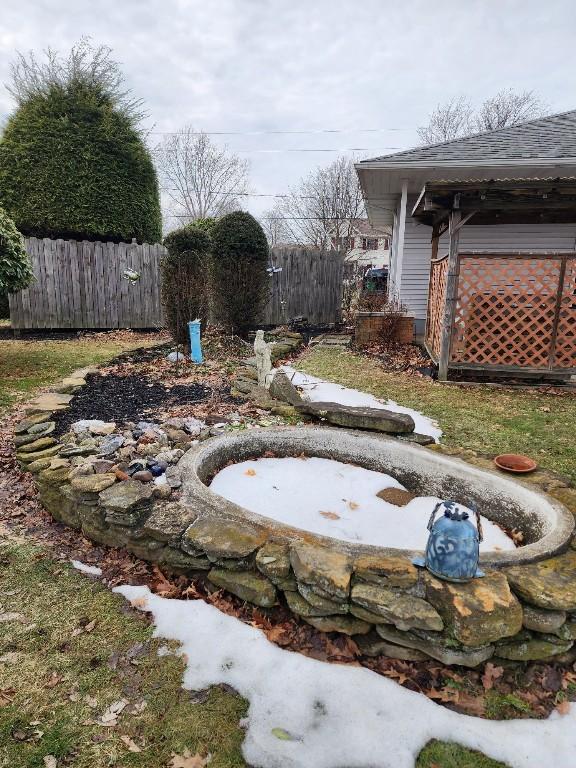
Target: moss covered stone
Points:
(322, 567)
(548, 584)
(220, 538)
(386, 571)
(347, 625)
(403, 610)
(249, 586)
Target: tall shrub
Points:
(239, 277)
(73, 162)
(15, 270)
(184, 279)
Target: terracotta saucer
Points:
(515, 462)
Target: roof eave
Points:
(488, 163)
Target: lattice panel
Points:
(505, 310)
(565, 347)
(436, 299)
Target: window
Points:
(370, 243)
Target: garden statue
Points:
(453, 547)
(263, 353)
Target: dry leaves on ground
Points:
(188, 760)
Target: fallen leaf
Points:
(491, 674)
(353, 505)
(283, 735)
(50, 761)
(11, 616)
(131, 745)
(139, 602)
(6, 696)
(563, 708)
(53, 680)
(330, 515)
(110, 716)
(90, 626)
(250, 472)
(188, 760)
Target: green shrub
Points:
(184, 280)
(15, 269)
(239, 278)
(73, 163)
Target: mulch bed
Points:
(405, 358)
(127, 398)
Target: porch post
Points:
(400, 241)
(451, 288)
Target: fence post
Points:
(451, 288)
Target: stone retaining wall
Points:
(520, 613)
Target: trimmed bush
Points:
(184, 280)
(72, 160)
(239, 278)
(15, 270)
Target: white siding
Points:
(497, 238)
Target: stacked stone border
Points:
(519, 612)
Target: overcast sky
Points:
(308, 65)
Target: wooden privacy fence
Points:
(81, 285)
(514, 312)
(309, 285)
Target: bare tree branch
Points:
(275, 226)
(448, 121)
(321, 211)
(201, 179)
(509, 108)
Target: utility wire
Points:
(274, 132)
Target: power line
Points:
(299, 149)
(274, 132)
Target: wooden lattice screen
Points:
(514, 310)
(436, 300)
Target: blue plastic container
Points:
(195, 344)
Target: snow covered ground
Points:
(335, 499)
(92, 570)
(318, 390)
(306, 713)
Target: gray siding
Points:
(496, 238)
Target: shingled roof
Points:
(548, 138)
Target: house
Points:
(507, 195)
(364, 244)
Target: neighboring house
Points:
(523, 176)
(365, 245)
(391, 185)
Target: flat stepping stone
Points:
(355, 417)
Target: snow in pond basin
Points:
(318, 390)
(306, 713)
(335, 499)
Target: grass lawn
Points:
(26, 365)
(71, 648)
(482, 419)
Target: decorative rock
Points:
(402, 610)
(541, 620)
(178, 436)
(81, 470)
(249, 586)
(273, 560)
(328, 607)
(105, 428)
(547, 584)
(26, 424)
(143, 476)
(479, 612)
(566, 631)
(173, 477)
(179, 561)
(51, 401)
(362, 613)
(70, 385)
(110, 445)
(167, 522)
(282, 389)
(125, 502)
(25, 439)
(156, 470)
(103, 465)
(43, 428)
(92, 483)
(465, 657)
(220, 538)
(347, 625)
(169, 456)
(386, 571)
(373, 645)
(193, 426)
(79, 450)
(162, 491)
(39, 464)
(28, 458)
(354, 417)
(322, 567)
(37, 445)
(416, 437)
(175, 357)
(531, 649)
(56, 476)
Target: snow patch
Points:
(93, 570)
(335, 499)
(318, 390)
(306, 713)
